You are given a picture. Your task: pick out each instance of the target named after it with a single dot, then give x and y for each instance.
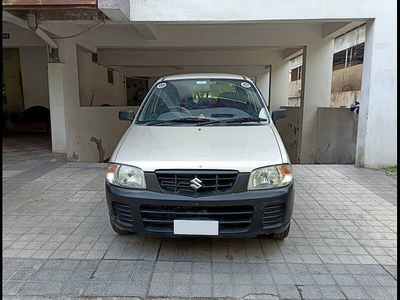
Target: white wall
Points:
(228, 23)
(263, 84)
(316, 93)
(295, 88)
(57, 107)
(34, 76)
(347, 79)
(279, 84)
(252, 10)
(377, 127)
(99, 122)
(93, 81)
(20, 36)
(81, 123)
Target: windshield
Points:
(210, 101)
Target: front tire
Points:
(281, 235)
(117, 230)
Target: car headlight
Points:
(270, 177)
(125, 176)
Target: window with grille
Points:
(350, 57)
(295, 74)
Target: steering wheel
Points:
(182, 109)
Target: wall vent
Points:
(110, 76)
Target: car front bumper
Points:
(126, 207)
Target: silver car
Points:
(202, 157)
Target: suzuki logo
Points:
(196, 183)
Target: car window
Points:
(213, 99)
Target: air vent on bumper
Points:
(273, 215)
(123, 214)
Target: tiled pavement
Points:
(57, 241)
(28, 156)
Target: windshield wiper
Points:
(243, 120)
(237, 120)
(181, 120)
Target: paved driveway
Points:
(57, 242)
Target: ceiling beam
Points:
(148, 31)
(163, 71)
(208, 36)
(116, 10)
(334, 29)
(290, 53)
(187, 58)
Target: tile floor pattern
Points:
(57, 242)
(26, 155)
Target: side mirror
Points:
(278, 114)
(126, 115)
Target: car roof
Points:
(203, 76)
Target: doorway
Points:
(13, 99)
(26, 114)
(136, 90)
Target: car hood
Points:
(242, 148)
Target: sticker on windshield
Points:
(245, 84)
(161, 85)
(201, 82)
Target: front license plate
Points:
(193, 227)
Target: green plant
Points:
(390, 169)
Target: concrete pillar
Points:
(377, 123)
(279, 84)
(263, 84)
(57, 107)
(316, 92)
(86, 134)
(63, 97)
(68, 55)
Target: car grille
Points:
(210, 182)
(273, 215)
(123, 213)
(232, 219)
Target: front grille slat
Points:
(213, 182)
(273, 215)
(166, 212)
(239, 221)
(168, 221)
(234, 219)
(123, 214)
(150, 220)
(272, 218)
(123, 209)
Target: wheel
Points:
(281, 235)
(117, 230)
